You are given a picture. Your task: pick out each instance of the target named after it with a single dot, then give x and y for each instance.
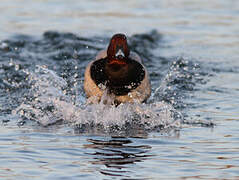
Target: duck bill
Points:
(119, 58)
(120, 54)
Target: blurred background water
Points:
(187, 130)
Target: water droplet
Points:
(17, 67)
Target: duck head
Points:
(118, 50)
(117, 59)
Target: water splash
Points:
(40, 103)
(41, 80)
(48, 102)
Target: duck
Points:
(117, 72)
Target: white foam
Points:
(49, 103)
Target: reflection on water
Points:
(116, 154)
(53, 154)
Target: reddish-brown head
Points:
(118, 49)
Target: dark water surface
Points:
(188, 129)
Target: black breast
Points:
(121, 84)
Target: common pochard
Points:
(119, 73)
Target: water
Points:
(187, 130)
